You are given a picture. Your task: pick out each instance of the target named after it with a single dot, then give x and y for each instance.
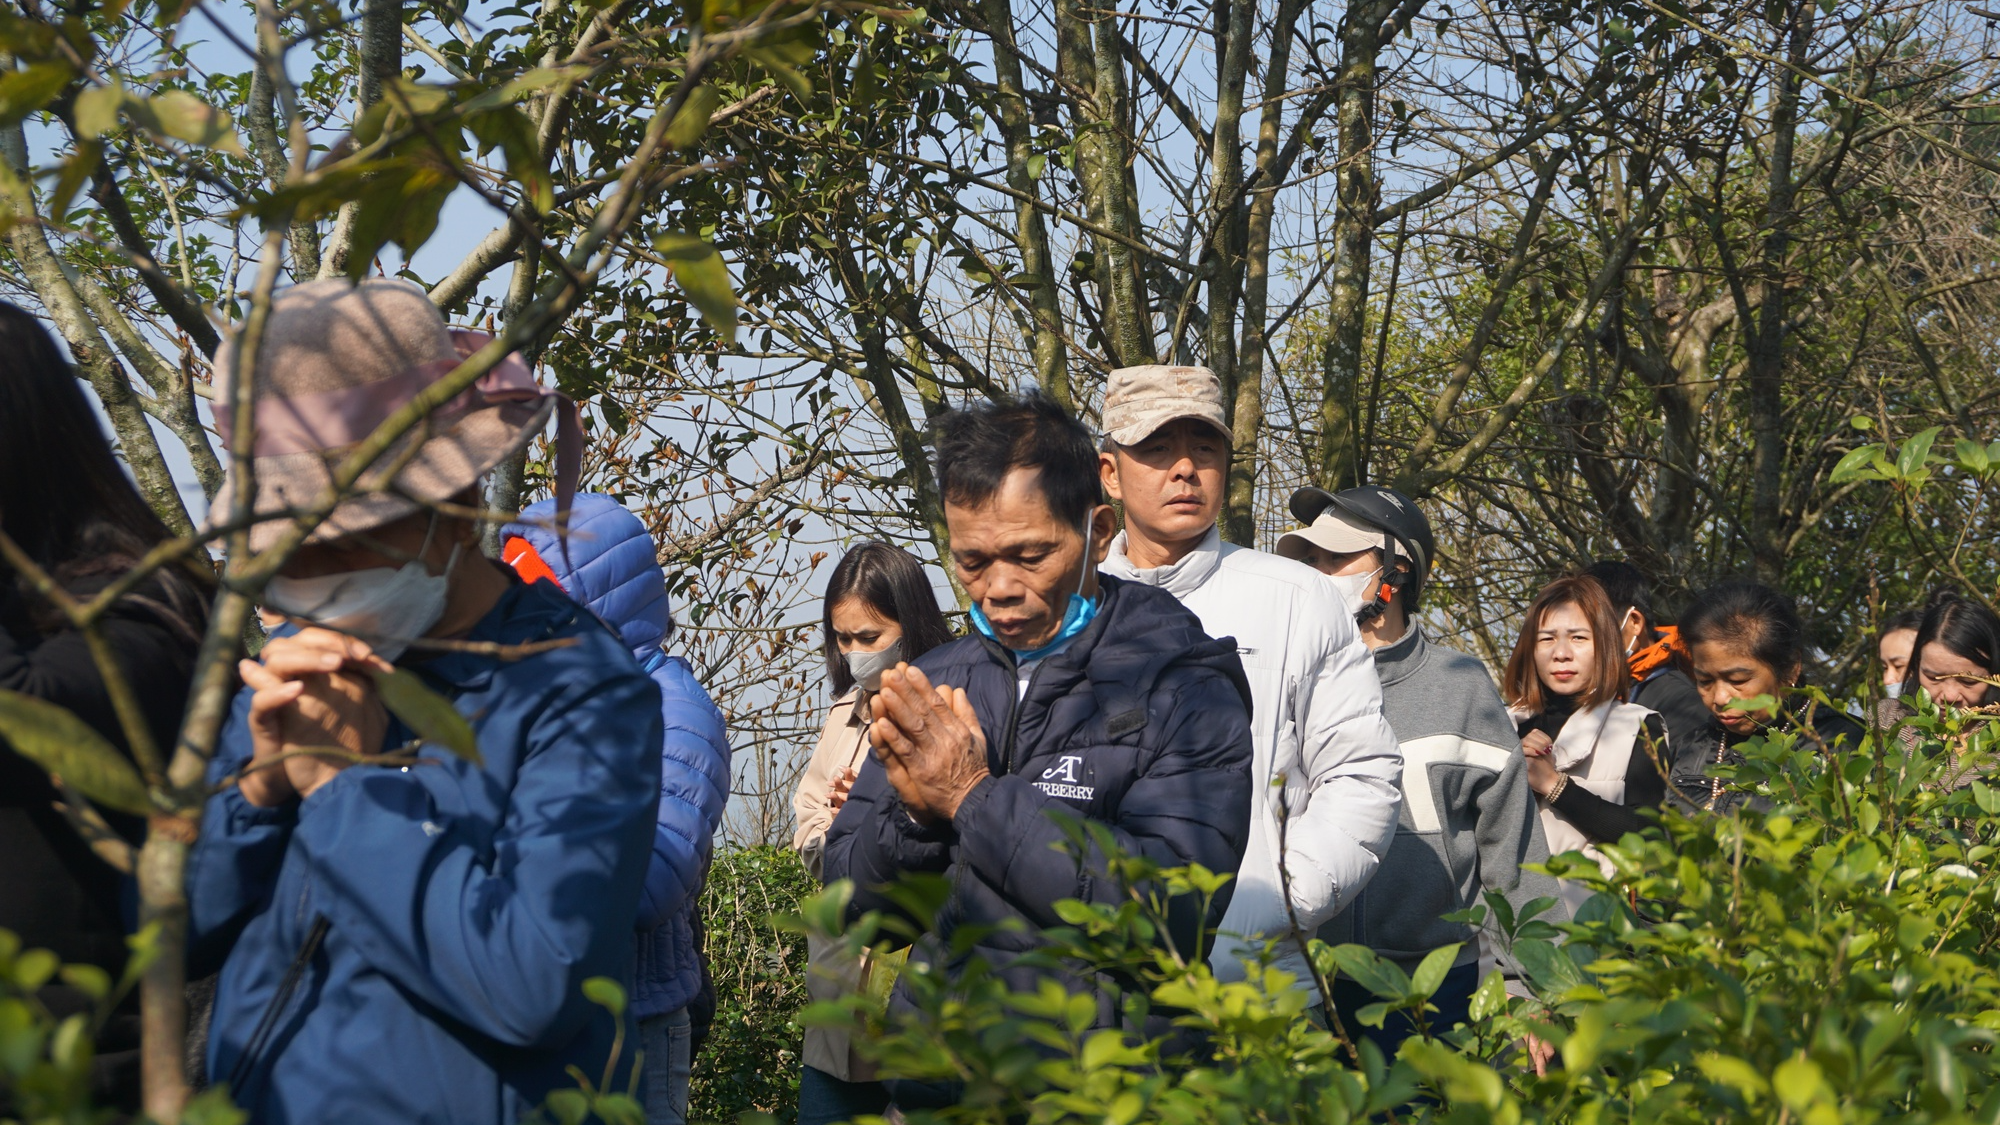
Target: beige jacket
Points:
(830, 973)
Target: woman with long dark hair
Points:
(1957, 648)
(68, 505)
(879, 612)
(1748, 647)
(1593, 760)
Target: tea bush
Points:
(1828, 957)
(751, 1062)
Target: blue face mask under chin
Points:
(1077, 617)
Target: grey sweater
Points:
(1468, 820)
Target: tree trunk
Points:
(1765, 382)
(381, 60)
(266, 139)
(1031, 229)
(1239, 514)
(1089, 66)
(1355, 193)
(1223, 257)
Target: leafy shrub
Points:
(751, 1062)
(1828, 959)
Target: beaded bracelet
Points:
(1556, 790)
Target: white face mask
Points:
(386, 607)
(1359, 588)
(1893, 690)
(867, 667)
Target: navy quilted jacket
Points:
(1142, 724)
(611, 568)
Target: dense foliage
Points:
(751, 1062)
(1827, 958)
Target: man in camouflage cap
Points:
(1316, 715)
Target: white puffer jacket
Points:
(1316, 717)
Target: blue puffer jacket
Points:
(1141, 724)
(611, 568)
(411, 944)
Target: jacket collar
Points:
(1179, 579)
(1401, 660)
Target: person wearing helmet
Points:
(1316, 714)
(1468, 822)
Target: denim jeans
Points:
(824, 1099)
(667, 1041)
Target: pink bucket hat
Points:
(337, 360)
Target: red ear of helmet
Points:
(526, 561)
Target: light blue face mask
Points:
(1076, 618)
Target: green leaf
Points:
(24, 91)
(1424, 982)
(1735, 1073)
(75, 169)
(1371, 971)
(1916, 452)
(212, 1107)
(182, 116)
(618, 1109)
(1798, 1082)
(399, 203)
(699, 270)
(1973, 457)
(65, 746)
(780, 65)
(605, 993)
(429, 714)
(1854, 466)
(96, 109)
(514, 133)
(692, 121)
(1491, 998)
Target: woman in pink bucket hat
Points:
(408, 940)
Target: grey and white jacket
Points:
(1468, 820)
(1316, 720)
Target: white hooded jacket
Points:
(1316, 718)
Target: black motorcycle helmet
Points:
(1403, 524)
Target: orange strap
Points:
(526, 561)
(1658, 654)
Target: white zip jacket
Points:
(1316, 719)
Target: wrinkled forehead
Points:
(1014, 520)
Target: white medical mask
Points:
(1359, 588)
(867, 667)
(388, 607)
(1893, 690)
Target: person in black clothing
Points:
(1656, 658)
(68, 505)
(1748, 646)
(1592, 758)
(1078, 699)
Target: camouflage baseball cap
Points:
(1139, 400)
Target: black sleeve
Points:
(156, 661)
(1603, 821)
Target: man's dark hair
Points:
(1625, 585)
(978, 446)
(1751, 618)
(892, 582)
